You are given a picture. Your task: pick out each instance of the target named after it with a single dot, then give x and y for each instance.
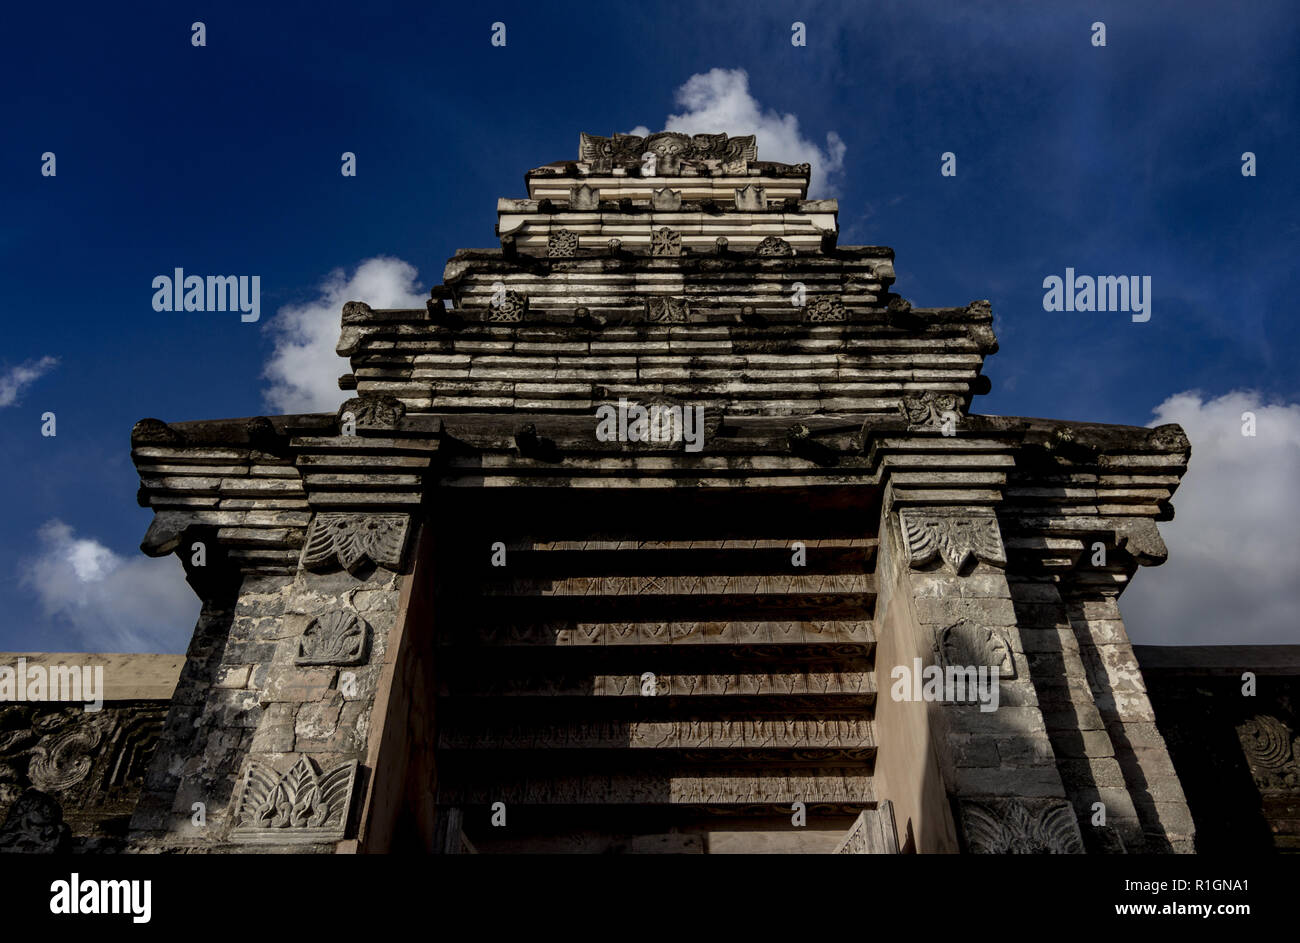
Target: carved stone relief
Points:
(826, 309)
(298, 805)
(1273, 753)
(965, 644)
(774, 246)
(562, 244)
(960, 536)
(35, 826)
(335, 638)
(670, 149)
(930, 410)
(509, 309)
(666, 243)
(379, 412)
(350, 540)
(1020, 827)
(665, 309)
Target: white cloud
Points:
(719, 100)
(304, 369)
(112, 603)
(1233, 575)
(13, 382)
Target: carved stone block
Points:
(335, 638)
(774, 246)
(666, 243)
(665, 309)
(562, 244)
(351, 540)
(1020, 827)
(1271, 751)
(965, 644)
(960, 536)
(929, 410)
(296, 806)
(827, 309)
(509, 309)
(375, 411)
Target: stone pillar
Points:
(1142, 761)
(949, 605)
(1085, 755)
(267, 738)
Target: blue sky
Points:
(225, 159)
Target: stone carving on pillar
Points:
(562, 244)
(583, 197)
(961, 536)
(1273, 753)
(35, 826)
(335, 638)
(751, 198)
(509, 309)
(826, 309)
(376, 412)
(666, 243)
(664, 309)
(665, 199)
(351, 539)
(930, 410)
(1020, 827)
(774, 246)
(300, 805)
(966, 644)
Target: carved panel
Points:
(665, 309)
(959, 536)
(665, 242)
(351, 540)
(63, 759)
(826, 309)
(35, 826)
(929, 410)
(1020, 827)
(665, 199)
(670, 149)
(965, 644)
(562, 244)
(335, 638)
(299, 805)
(91, 764)
(509, 309)
(775, 246)
(1273, 753)
(374, 411)
(583, 197)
